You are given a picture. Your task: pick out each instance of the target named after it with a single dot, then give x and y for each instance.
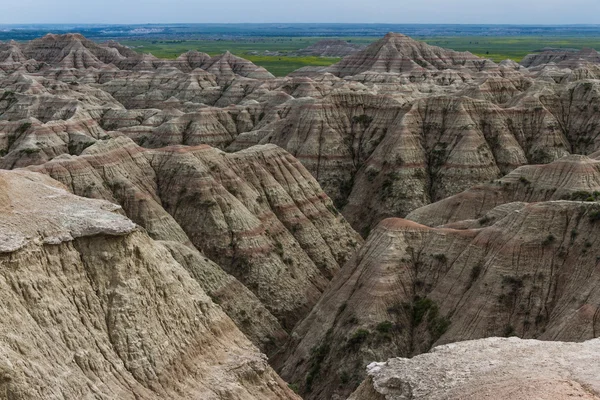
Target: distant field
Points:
(515, 48)
(497, 48)
(278, 66)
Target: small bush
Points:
(594, 216)
(509, 330)
(294, 387)
(357, 338)
(475, 272)
(384, 327)
(362, 119)
(549, 240)
(485, 220)
(23, 127)
(345, 377)
(441, 258)
(524, 181)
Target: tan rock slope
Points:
(93, 307)
(396, 53)
(571, 177)
(257, 213)
(533, 273)
(492, 369)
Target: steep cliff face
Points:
(491, 369)
(257, 213)
(93, 307)
(532, 273)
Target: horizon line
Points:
(303, 23)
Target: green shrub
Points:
(357, 338)
(319, 353)
(441, 258)
(23, 127)
(594, 216)
(475, 272)
(549, 240)
(362, 119)
(384, 327)
(509, 330)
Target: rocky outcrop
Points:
(532, 274)
(397, 53)
(492, 369)
(571, 177)
(92, 307)
(561, 57)
(257, 213)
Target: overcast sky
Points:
(384, 11)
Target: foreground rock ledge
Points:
(92, 307)
(494, 368)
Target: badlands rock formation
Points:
(561, 57)
(572, 177)
(532, 273)
(257, 213)
(414, 123)
(489, 369)
(216, 217)
(92, 307)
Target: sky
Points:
(347, 11)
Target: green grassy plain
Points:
(497, 48)
(513, 47)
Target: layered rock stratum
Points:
(92, 307)
(532, 272)
(413, 122)
(257, 213)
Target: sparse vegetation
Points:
(475, 272)
(362, 119)
(384, 327)
(485, 220)
(30, 150)
(357, 338)
(594, 216)
(548, 240)
(441, 258)
(582, 195)
(318, 355)
(524, 181)
(24, 127)
(509, 330)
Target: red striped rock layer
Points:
(407, 154)
(397, 53)
(93, 307)
(562, 179)
(533, 274)
(257, 213)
